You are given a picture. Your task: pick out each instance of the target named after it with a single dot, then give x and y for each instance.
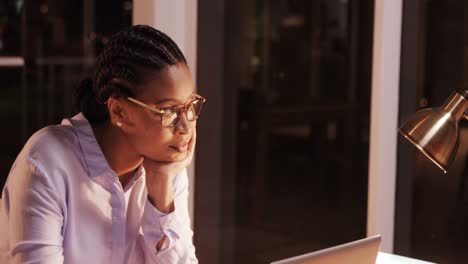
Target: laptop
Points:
(362, 251)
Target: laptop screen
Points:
(362, 251)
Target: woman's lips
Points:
(180, 148)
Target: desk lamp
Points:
(435, 131)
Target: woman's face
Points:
(170, 87)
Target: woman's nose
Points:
(183, 125)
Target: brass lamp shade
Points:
(435, 131)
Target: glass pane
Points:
(12, 88)
(58, 41)
(303, 126)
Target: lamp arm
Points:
(464, 93)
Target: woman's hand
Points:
(159, 177)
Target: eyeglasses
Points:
(171, 115)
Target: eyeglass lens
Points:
(192, 110)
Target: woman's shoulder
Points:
(46, 155)
(56, 141)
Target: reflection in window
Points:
(303, 127)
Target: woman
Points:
(110, 184)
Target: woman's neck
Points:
(119, 154)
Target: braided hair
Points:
(128, 57)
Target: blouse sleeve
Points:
(33, 213)
(178, 246)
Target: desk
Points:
(385, 258)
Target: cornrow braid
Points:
(127, 56)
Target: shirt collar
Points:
(95, 160)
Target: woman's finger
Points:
(193, 141)
(190, 149)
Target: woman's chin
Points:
(177, 156)
(170, 156)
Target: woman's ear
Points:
(119, 114)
